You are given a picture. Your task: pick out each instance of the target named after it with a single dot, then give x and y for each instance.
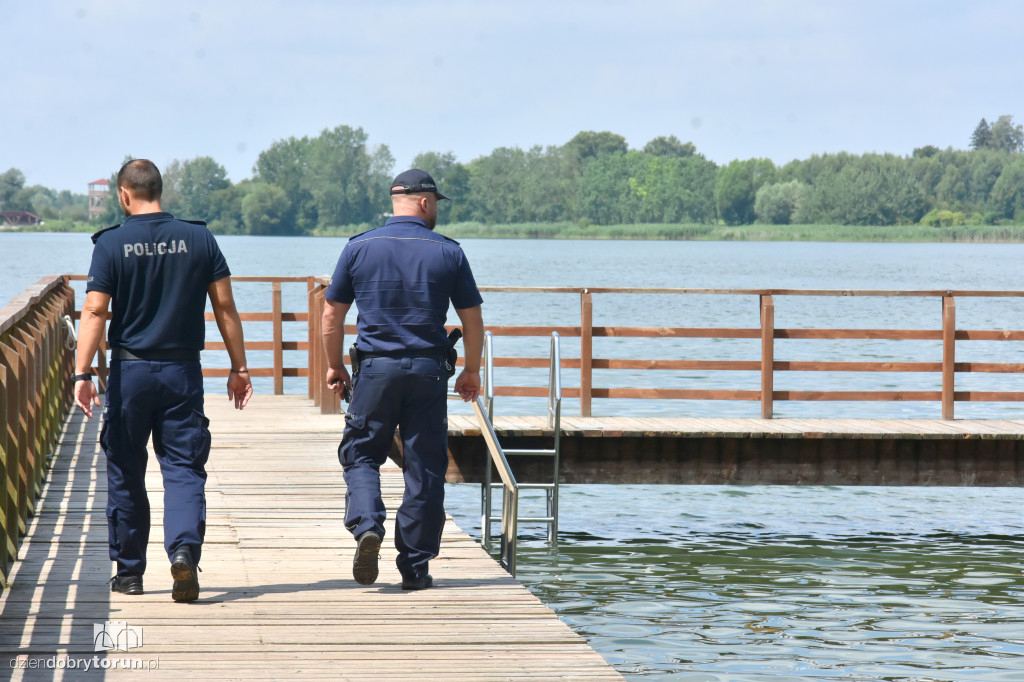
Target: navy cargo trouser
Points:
(164, 399)
(411, 393)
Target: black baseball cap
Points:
(415, 181)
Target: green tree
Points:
(776, 204)
(285, 165)
(983, 171)
(226, 209)
(11, 182)
(590, 144)
(670, 189)
(497, 184)
(951, 190)
(43, 203)
(604, 190)
(265, 209)
(349, 185)
(549, 186)
(669, 146)
(736, 189)
(870, 190)
(1006, 136)
(981, 138)
(1007, 196)
(199, 178)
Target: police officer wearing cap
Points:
(157, 272)
(401, 277)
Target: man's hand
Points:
(86, 396)
(239, 388)
(339, 381)
(468, 385)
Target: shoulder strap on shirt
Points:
(96, 235)
(194, 222)
(356, 236)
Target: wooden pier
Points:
(983, 452)
(277, 597)
(278, 600)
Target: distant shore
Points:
(974, 234)
(993, 234)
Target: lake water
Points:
(726, 582)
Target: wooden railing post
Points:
(275, 293)
(329, 402)
(310, 347)
(767, 355)
(24, 428)
(586, 351)
(6, 546)
(948, 356)
(316, 351)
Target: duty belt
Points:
(421, 353)
(166, 355)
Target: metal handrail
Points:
(510, 499)
(555, 384)
(488, 378)
(555, 422)
(554, 415)
(488, 386)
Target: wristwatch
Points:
(85, 376)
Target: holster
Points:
(450, 354)
(356, 357)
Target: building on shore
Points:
(11, 219)
(99, 191)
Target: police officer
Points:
(157, 271)
(401, 277)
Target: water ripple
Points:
(718, 583)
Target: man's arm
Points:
(468, 382)
(90, 334)
(332, 326)
(230, 326)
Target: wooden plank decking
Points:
(277, 598)
(618, 427)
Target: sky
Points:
(86, 83)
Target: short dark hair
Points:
(142, 178)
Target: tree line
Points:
(335, 182)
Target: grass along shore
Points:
(750, 233)
(994, 234)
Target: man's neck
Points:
(143, 208)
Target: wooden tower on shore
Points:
(99, 190)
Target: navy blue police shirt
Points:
(157, 270)
(401, 277)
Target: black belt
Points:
(422, 353)
(166, 355)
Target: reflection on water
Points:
(775, 582)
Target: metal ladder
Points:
(554, 421)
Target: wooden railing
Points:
(766, 363)
(36, 361)
(946, 368)
(277, 345)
